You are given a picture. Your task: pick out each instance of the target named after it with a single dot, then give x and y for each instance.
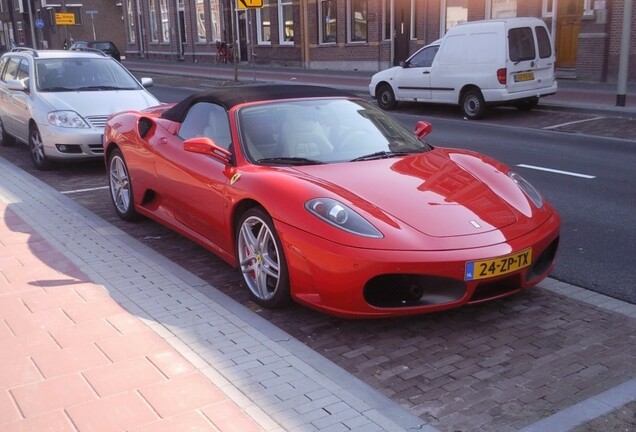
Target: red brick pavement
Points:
(72, 359)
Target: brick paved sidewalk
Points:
(73, 359)
(100, 333)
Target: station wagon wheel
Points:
(386, 97)
(120, 186)
(262, 260)
(5, 138)
(472, 104)
(36, 146)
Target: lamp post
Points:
(33, 41)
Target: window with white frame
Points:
(548, 6)
(200, 16)
(503, 9)
(215, 13)
(286, 22)
(327, 13)
(413, 20)
(165, 21)
(453, 12)
(264, 24)
(357, 22)
(130, 24)
(152, 12)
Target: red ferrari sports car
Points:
(318, 196)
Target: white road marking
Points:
(572, 122)
(585, 176)
(84, 190)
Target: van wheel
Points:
(473, 105)
(527, 104)
(386, 97)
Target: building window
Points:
(453, 12)
(130, 13)
(503, 9)
(77, 11)
(286, 20)
(152, 12)
(547, 8)
(215, 13)
(327, 13)
(386, 20)
(357, 27)
(165, 21)
(200, 17)
(413, 20)
(264, 24)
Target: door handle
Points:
(426, 72)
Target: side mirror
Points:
(17, 85)
(404, 64)
(205, 146)
(147, 82)
(422, 128)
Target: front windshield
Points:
(82, 74)
(322, 131)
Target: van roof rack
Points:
(26, 49)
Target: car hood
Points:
(436, 193)
(100, 103)
(385, 74)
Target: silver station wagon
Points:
(57, 102)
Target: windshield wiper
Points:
(382, 155)
(56, 89)
(289, 161)
(100, 87)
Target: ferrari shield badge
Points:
(235, 178)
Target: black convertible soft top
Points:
(229, 97)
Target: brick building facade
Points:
(317, 34)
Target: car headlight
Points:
(527, 188)
(67, 119)
(339, 215)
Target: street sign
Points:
(91, 12)
(39, 23)
(64, 18)
(249, 4)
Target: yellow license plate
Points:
(483, 269)
(526, 76)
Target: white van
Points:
(476, 64)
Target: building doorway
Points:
(401, 30)
(568, 27)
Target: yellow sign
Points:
(249, 4)
(65, 19)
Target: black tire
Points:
(121, 188)
(261, 259)
(472, 104)
(5, 138)
(527, 104)
(36, 148)
(386, 97)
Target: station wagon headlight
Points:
(527, 188)
(67, 119)
(341, 216)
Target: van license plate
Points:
(526, 76)
(498, 266)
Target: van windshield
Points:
(521, 44)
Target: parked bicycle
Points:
(224, 53)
